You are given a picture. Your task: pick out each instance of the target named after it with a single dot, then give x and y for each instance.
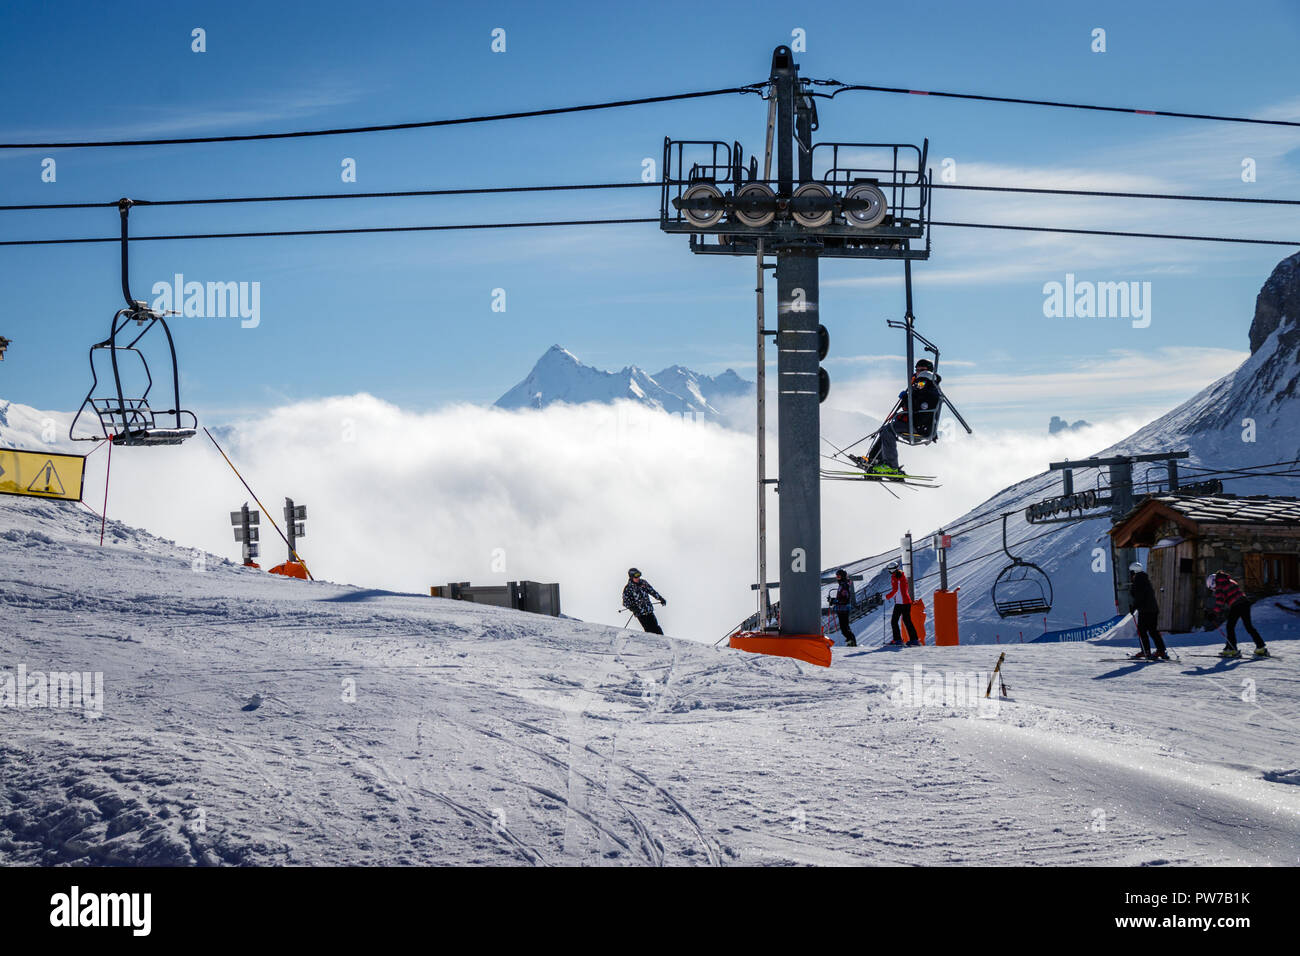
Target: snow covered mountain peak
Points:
(559, 376)
(1278, 307)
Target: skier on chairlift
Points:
(882, 458)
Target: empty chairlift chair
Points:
(124, 413)
(1022, 587)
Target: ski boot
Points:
(1230, 652)
(1161, 656)
(912, 644)
(1140, 656)
(1261, 652)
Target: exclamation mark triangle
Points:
(51, 478)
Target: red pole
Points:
(107, 472)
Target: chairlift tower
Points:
(840, 200)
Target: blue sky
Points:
(408, 317)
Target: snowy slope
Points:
(558, 376)
(24, 427)
(403, 729)
(1249, 417)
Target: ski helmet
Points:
(925, 364)
(1135, 567)
(633, 573)
(841, 574)
(893, 566)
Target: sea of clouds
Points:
(402, 500)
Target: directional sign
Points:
(41, 474)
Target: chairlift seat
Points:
(154, 436)
(1022, 576)
(133, 422)
(1018, 608)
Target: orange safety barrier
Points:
(945, 618)
(918, 619)
(291, 569)
(813, 648)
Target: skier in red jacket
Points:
(902, 595)
(1228, 596)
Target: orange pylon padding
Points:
(917, 610)
(291, 569)
(945, 618)
(813, 648)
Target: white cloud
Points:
(573, 494)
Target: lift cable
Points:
(850, 87)
(1115, 194)
(389, 127)
(394, 194)
(336, 232)
(1113, 232)
(491, 190)
(610, 222)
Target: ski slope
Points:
(401, 729)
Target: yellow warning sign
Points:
(41, 474)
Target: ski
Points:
(1243, 657)
(1138, 660)
(915, 481)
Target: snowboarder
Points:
(902, 595)
(1229, 596)
(882, 458)
(843, 601)
(1143, 605)
(636, 598)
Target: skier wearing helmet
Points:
(843, 599)
(882, 458)
(1142, 604)
(1229, 596)
(636, 598)
(902, 595)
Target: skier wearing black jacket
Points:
(636, 598)
(1142, 602)
(843, 602)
